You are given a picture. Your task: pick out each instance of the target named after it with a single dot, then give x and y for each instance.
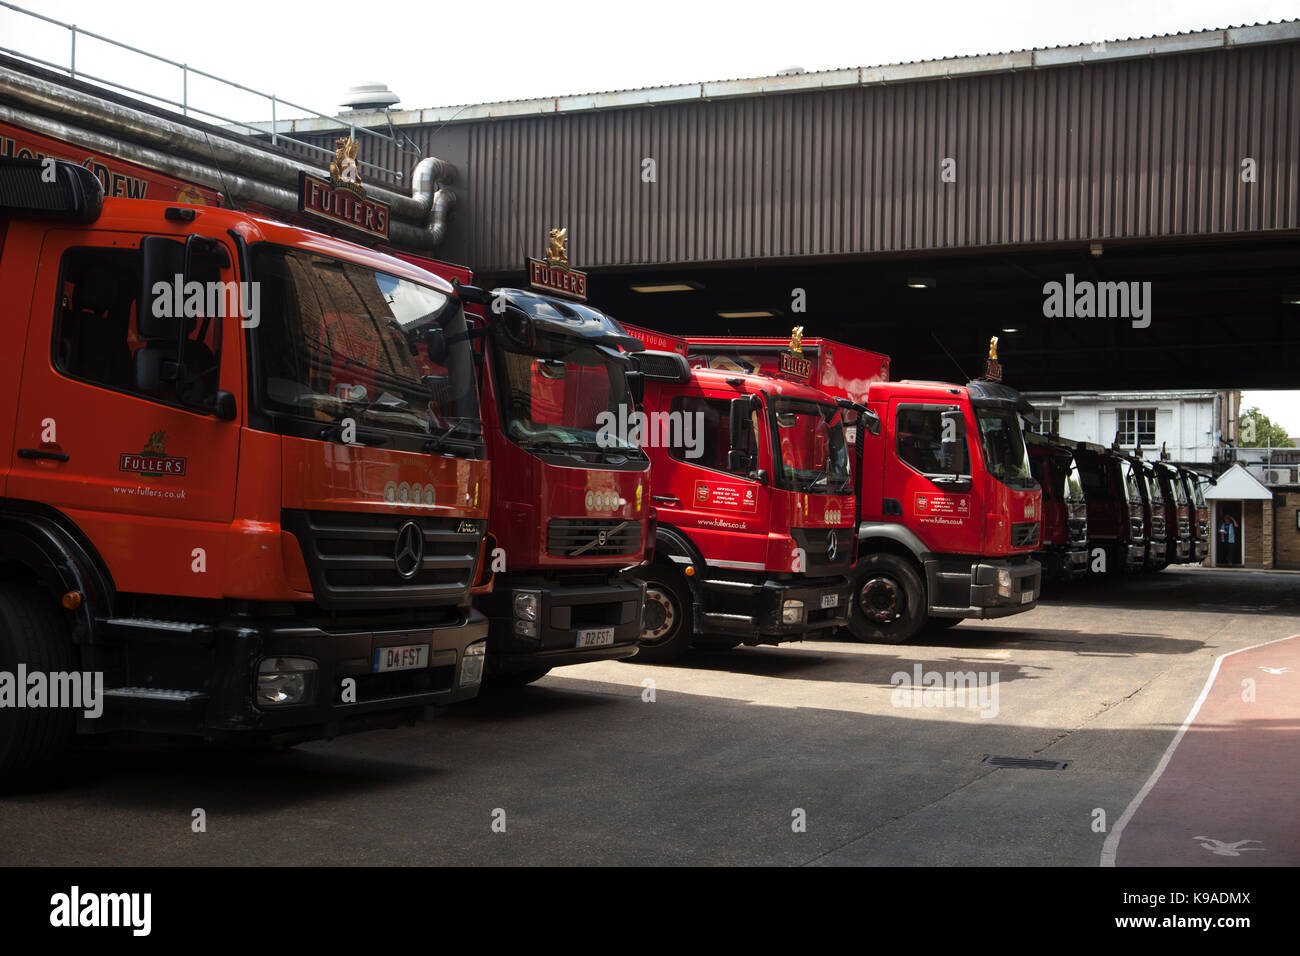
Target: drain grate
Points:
(1024, 763)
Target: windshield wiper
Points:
(453, 425)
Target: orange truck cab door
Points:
(95, 444)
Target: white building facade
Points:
(1195, 425)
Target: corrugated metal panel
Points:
(1127, 149)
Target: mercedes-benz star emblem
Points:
(408, 554)
(832, 546)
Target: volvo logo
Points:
(832, 546)
(408, 553)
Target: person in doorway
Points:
(1228, 539)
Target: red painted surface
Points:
(1234, 775)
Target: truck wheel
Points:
(888, 600)
(667, 629)
(32, 633)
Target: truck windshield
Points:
(1004, 446)
(1198, 493)
(1073, 482)
(813, 454)
(1180, 493)
(562, 394)
(1131, 488)
(336, 340)
(1153, 487)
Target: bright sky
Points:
(1283, 408)
(437, 54)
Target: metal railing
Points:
(188, 109)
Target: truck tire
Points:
(33, 633)
(888, 605)
(669, 627)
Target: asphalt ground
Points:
(820, 753)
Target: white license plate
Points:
(1026, 597)
(405, 657)
(830, 600)
(595, 637)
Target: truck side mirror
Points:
(738, 424)
(871, 420)
(635, 386)
(158, 314)
(153, 368)
(952, 439)
(435, 343)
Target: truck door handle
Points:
(40, 453)
(666, 499)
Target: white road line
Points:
(1111, 847)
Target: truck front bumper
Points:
(1183, 549)
(215, 685)
(1156, 551)
(1202, 550)
(608, 612)
(986, 588)
(1061, 563)
(772, 610)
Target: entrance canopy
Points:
(1237, 484)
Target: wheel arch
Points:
(45, 546)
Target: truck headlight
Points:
(285, 680)
(471, 665)
(526, 605)
(526, 628)
(792, 612)
(1004, 583)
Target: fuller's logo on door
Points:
(154, 460)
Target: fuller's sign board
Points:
(795, 366)
(342, 205)
(557, 279)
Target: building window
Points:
(1049, 421)
(1136, 426)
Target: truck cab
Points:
(1177, 512)
(752, 485)
(228, 491)
(1157, 521)
(1063, 534)
(572, 495)
(950, 510)
(571, 505)
(1200, 513)
(1116, 513)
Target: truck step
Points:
(161, 694)
(156, 631)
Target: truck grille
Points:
(1024, 534)
(352, 558)
(816, 545)
(1157, 526)
(581, 537)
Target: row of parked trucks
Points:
(266, 483)
(1110, 511)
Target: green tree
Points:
(1257, 431)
